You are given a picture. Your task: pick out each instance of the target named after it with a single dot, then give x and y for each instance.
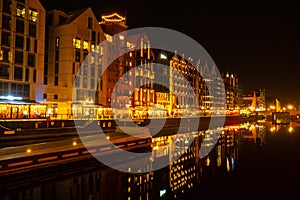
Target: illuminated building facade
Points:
(22, 35)
(116, 71)
(254, 101)
(70, 38)
(182, 83)
(233, 92)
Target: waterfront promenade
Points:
(23, 130)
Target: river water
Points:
(243, 161)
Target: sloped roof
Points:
(72, 15)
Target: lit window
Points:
(85, 44)
(21, 11)
(121, 37)
(92, 47)
(33, 15)
(76, 43)
(130, 54)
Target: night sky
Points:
(260, 44)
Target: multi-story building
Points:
(72, 85)
(22, 35)
(233, 92)
(210, 89)
(182, 83)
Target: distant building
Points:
(254, 101)
(233, 91)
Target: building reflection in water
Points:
(209, 153)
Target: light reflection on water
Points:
(198, 163)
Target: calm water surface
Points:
(246, 161)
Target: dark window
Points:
(56, 55)
(92, 83)
(4, 71)
(6, 22)
(32, 29)
(56, 68)
(85, 53)
(73, 69)
(5, 55)
(20, 26)
(18, 73)
(34, 76)
(85, 82)
(77, 82)
(45, 80)
(5, 38)
(19, 42)
(90, 22)
(6, 6)
(31, 60)
(46, 69)
(56, 80)
(28, 44)
(35, 46)
(44, 96)
(27, 75)
(26, 91)
(62, 19)
(55, 96)
(19, 57)
(93, 36)
(77, 55)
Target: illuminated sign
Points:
(10, 98)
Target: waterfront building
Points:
(182, 84)
(22, 35)
(233, 92)
(210, 89)
(144, 74)
(254, 101)
(70, 38)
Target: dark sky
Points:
(261, 44)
